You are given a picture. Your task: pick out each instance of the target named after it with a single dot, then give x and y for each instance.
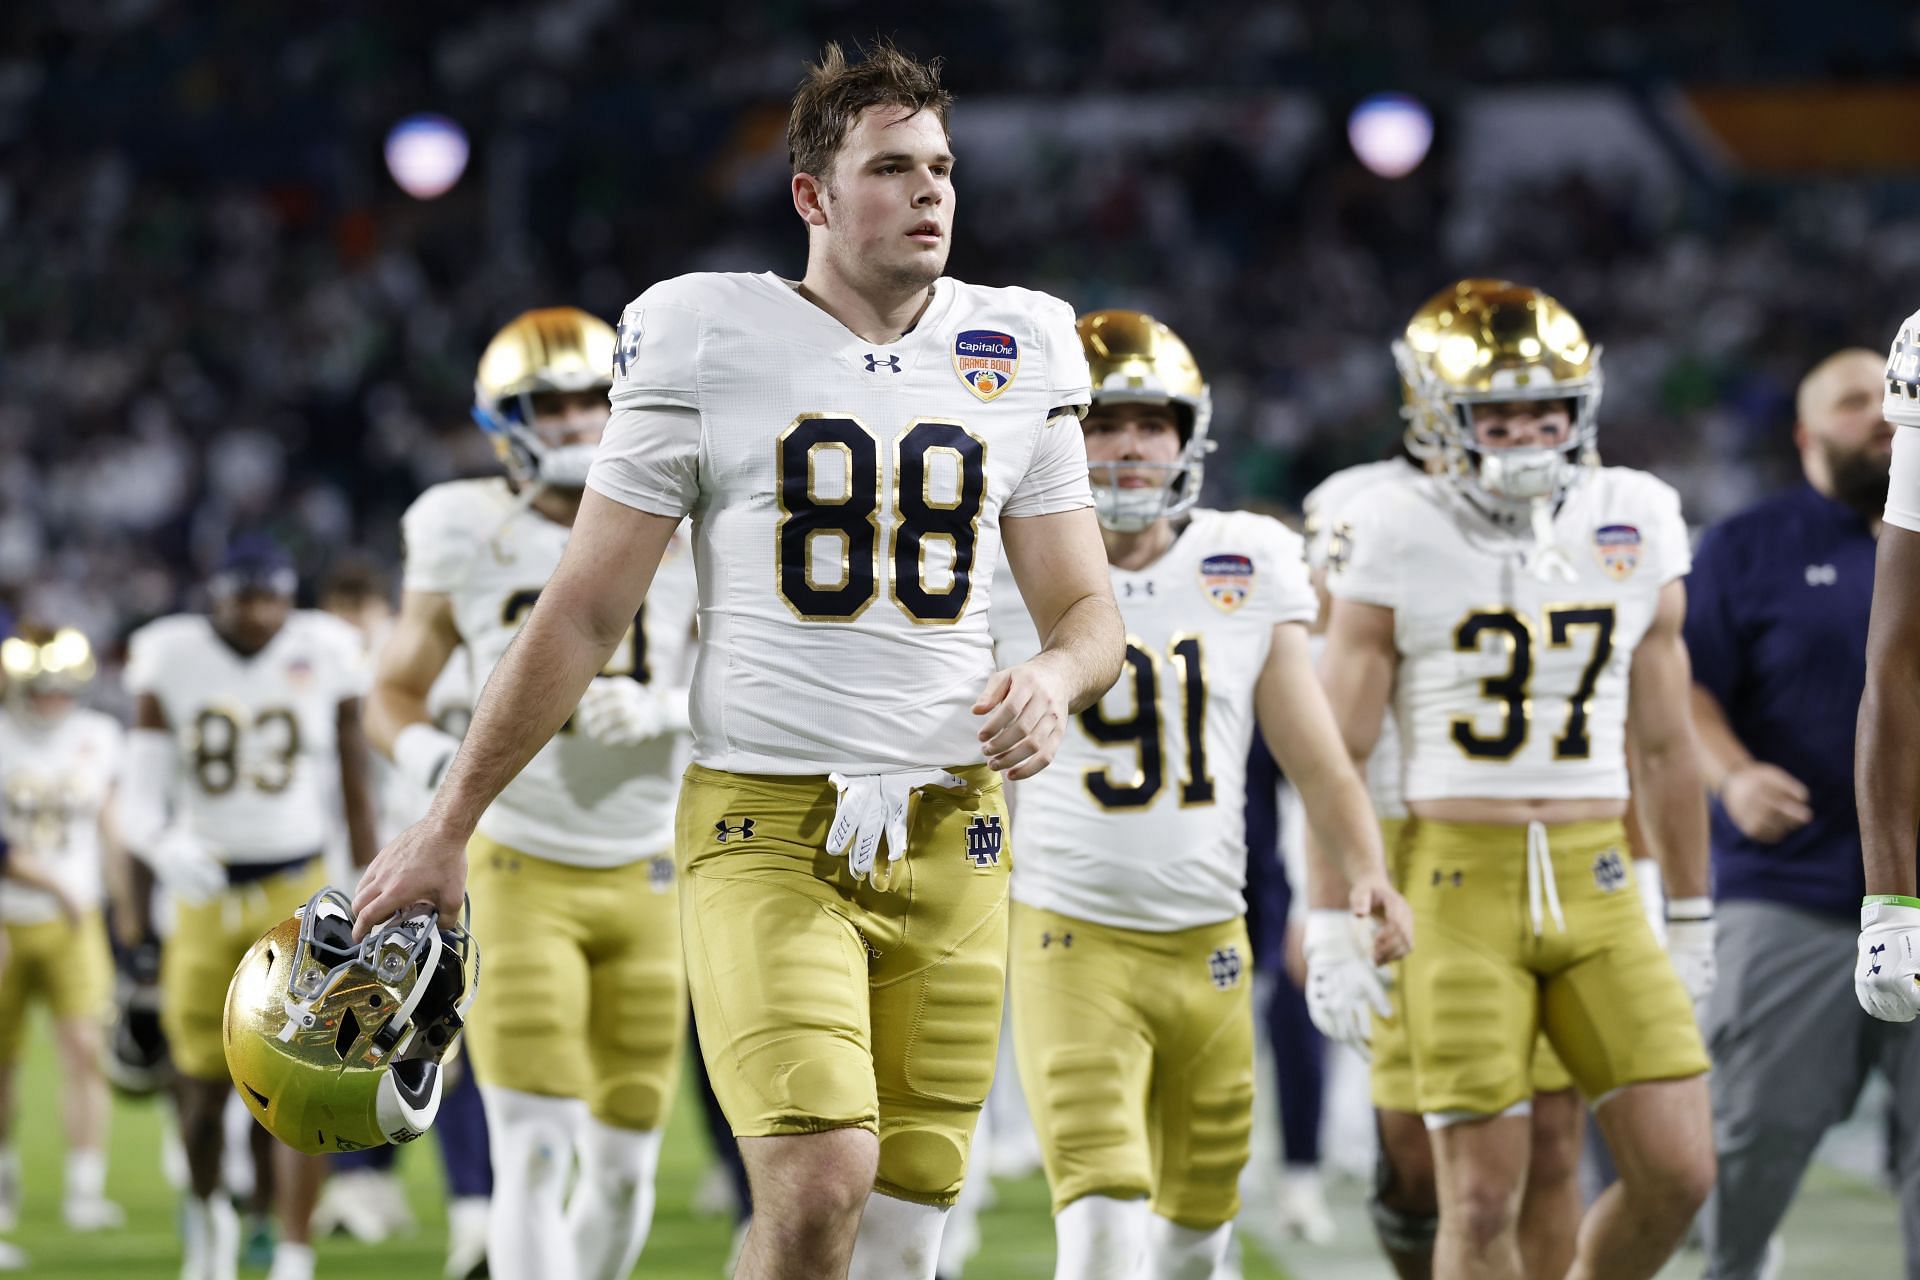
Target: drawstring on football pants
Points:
(1540, 883)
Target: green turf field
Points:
(1841, 1224)
(1018, 1236)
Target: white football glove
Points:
(619, 711)
(1690, 937)
(873, 805)
(1344, 990)
(1886, 980)
(186, 865)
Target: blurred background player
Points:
(241, 715)
(363, 1196)
(577, 1033)
(1778, 605)
(1131, 972)
(1521, 614)
(1404, 1204)
(59, 764)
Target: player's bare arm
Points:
(1668, 791)
(1060, 565)
(414, 654)
(1356, 670)
(1306, 740)
(1887, 743)
(356, 784)
(582, 614)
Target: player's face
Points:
(569, 417)
(251, 618)
(889, 200)
(1133, 433)
(1523, 424)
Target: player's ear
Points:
(810, 199)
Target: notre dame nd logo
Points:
(1224, 967)
(983, 841)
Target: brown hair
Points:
(831, 98)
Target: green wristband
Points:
(1889, 900)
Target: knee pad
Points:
(925, 1166)
(631, 1103)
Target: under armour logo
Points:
(1453, 878)
(1822, 575)
(1873, 953)
(983, 841)
(873, 363)
(722, 832)
(1048, 938)
(1223, 966)
(1130, 589)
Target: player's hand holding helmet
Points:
(336, 1045)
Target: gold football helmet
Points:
(336, 1045)
(551, 349)
(45, 661)
(1493, 342)
(1138, 360)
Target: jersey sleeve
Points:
(1903, 486)
(649, 459)
(1289, 597)
(1056, 478)
(1671, 550)
(438, 545)
(1069, 379)
(1363, 554)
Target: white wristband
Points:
(1689, 909)
(421, 752)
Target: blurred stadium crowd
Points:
(217, 313)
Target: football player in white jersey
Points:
(854, 448)
(1130, 971)
(59, 763)
(1886, 978)
(577, 1034)
(239, 712)
(1521, 614)
(1403, 1206)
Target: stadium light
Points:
(426, 154)
(1390, 133)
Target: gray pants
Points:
(1791, 1050)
